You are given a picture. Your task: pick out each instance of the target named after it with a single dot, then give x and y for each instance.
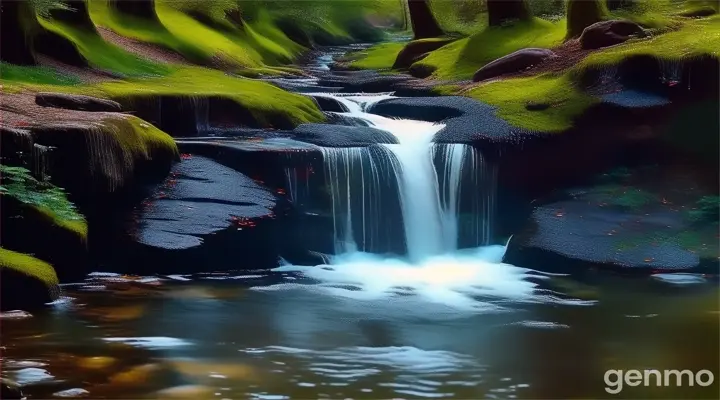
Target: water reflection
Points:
(218, 339)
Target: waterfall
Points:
(433, 180)
(467, 188)
(357, 183)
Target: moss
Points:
(103, 55)
(627, 197)
(49, 200)
(460, 59)
(35, 75)
(381, 56)
(140, 139)
(565, 102)
(29, 266)
(265, 101)
(77, 226)
(695, 38)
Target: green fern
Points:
(17, 182)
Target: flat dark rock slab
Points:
(76, 102)
(342, 136)
(201, 198)
(572, 235)
(466, 120)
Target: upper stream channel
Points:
(436, 315)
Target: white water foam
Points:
(434, 271)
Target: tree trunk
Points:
(22, 37)
(581, 14)
(422, 20)
(15, 44)
(616, 4)
(144, 9)
(501, 11)
(76, 15)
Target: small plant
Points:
(17, 182)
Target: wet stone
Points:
(72, 393)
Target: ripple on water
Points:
(680, 278)
(152, 343)
(417, 372)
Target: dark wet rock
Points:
(28, 230)
(205, 216)
(417, 50)
(76, 102)
(609, 33)
(701, 12)
(466, 120)
(363, 81)
(337, 119)
(342, 136)
(10, 390)
(329, 104)
(572, 235)
(19, 291)
(512, 63)
(416, 88)
(71, 393)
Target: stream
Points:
(445, 319)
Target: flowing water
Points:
(443, 317)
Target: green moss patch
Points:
(28, 265)
(561, 102)
(381, 56)
(103, 55)
(35, 75)
(459, 60)
(695, 38)
(265, 101)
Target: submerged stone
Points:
(72, 393)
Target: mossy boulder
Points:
(645, 220)
(609, 33)
(416, 50)
(513, 63)
(26, 282)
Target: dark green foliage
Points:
(583, 13)
(707, 209)
(503, 11)
(17, 182)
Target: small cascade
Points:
(671, 72)
(467, 187)
(357, 183)
(40, 162)
(201, 108)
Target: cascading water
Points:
(437, 186)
